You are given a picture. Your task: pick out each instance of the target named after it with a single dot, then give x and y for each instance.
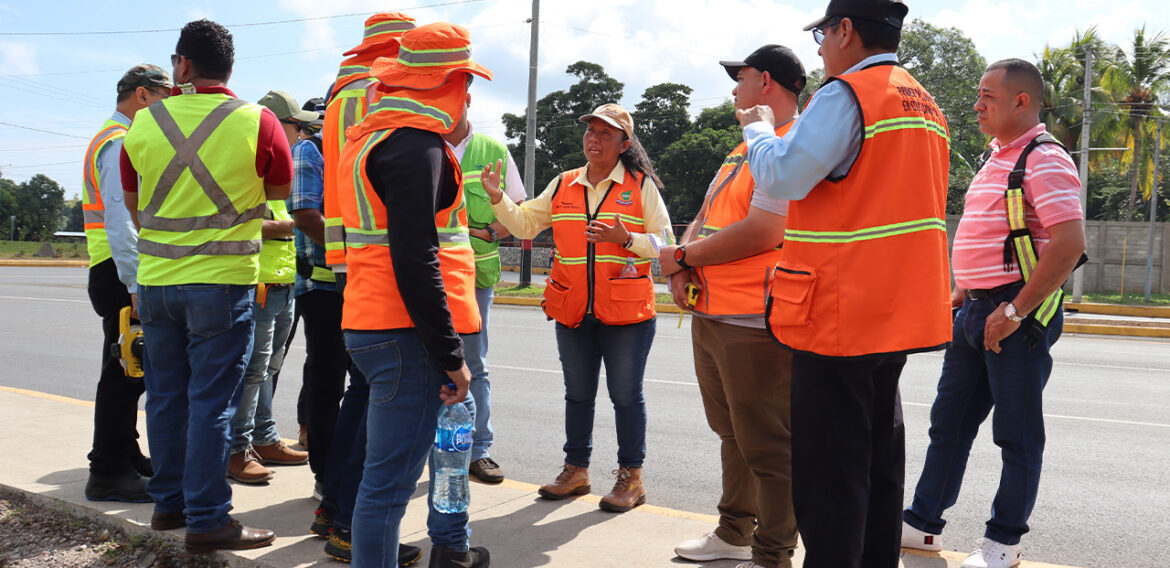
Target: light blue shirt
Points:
(824, 141)
(120, 231)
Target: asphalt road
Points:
(1103, 499)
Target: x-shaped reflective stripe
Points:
(187, 158)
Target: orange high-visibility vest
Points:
(586, 276)
(372, 300)
(739, 287)
(93, 209)
(864, 269)
(347, 105)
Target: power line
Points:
(12, 167)
(251, 24)
(9, 124)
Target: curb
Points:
(32, 262)
(131, 528)
(1122, 330)
(1118, 310)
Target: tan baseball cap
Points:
(614, 115)
(285, 107)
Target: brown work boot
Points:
(245, 467)
(280, 454)
(572, 481)
(627, 493)
(231, 536)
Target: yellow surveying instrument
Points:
(128, 349)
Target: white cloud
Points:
(18, 58)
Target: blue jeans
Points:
(198, 341)
(253, 423)
(475, 348)
(973, 381)
(623, 348)
(342, 473)
(400, 431)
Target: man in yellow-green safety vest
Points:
(474, 151)
(208, 161)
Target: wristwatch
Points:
(1012, 314)
(493, 234)
(680, 257)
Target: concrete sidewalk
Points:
(46, 438)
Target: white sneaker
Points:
(919, 540)
(711, 547)
(991, 554)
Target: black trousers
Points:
(115, 415)
(848, 460)
(326, 362)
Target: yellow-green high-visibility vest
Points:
(93, 209)
(482, 150)
(278, 257)
(200, 201)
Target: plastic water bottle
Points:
(451, 492)
(629, 270)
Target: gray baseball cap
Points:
(144, 75)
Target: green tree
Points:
(689, 164)
(558, 134)
(74, 218)
(37, 205)
(816, 78)
(661, 117)
(1062, 108)
(8, 189)
(1137, 84)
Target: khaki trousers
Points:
(745, 380)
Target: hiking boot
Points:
(408, 555)
(443, 557)
(231, 536)
(919, 540)
(245, 467)
(322, 523)
(627, 493)
(280, 454)
(142, 465)
(486, 470)
(127, 487)
(571, 481)
(992, 554)
(339, 546)
(710, 547)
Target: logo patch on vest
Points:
(626, 198)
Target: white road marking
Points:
(44, 299)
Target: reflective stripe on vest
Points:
(586, 277)
(201, 200)
(93, 209)
(278, 257)
(864, 269)
(739, 287)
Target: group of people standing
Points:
(817, 262)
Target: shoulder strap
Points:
(1016, 177)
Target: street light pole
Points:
(1079, 274)
(530, 142)
(1153, 213)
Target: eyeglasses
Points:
(175, 59)
(819, 31)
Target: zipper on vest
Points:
(590, 248)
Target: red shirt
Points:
(273, 157)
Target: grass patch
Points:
(537, 291)
(28, 250)
(1129, 299)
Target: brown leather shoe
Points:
(627, 493)
(168, 521)
(231, 536)
(280, 454)
(572, 481)
(245, 467)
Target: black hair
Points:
(209, 47)
(877, 36)
(122, 96)
(1023, 74)
(636, 160)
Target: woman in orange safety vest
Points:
(608, 221)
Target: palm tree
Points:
(1062, 109)
(1136, 85)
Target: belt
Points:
(988, 292)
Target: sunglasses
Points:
(819, 31)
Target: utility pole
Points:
(1153, 213)
(1079, 275)
(530, 142)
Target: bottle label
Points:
(462, 439)
(457, 441)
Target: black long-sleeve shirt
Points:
(415, 180)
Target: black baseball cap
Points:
(779, 61)
(889, 12)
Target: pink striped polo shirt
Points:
(1052, 195)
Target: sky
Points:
(62, 79)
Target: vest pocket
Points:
(789, 300)
(563, 304)
(624, 301)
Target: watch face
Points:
(679, 254)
